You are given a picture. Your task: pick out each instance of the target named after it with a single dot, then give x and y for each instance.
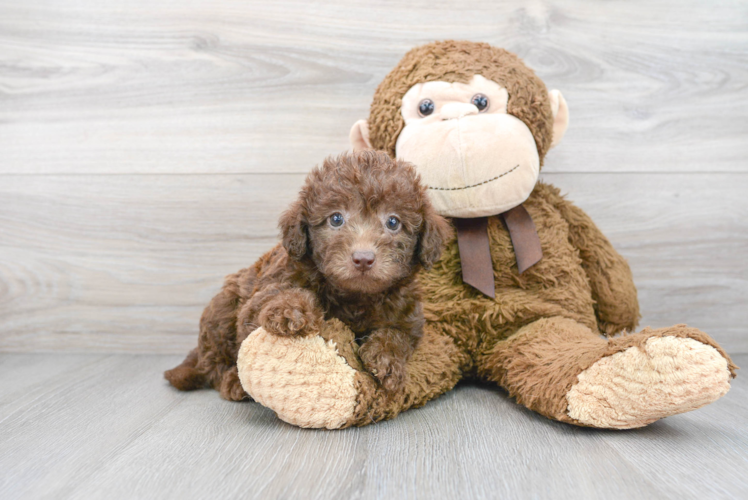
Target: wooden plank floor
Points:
(108, 426)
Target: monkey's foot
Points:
(657, 376)
(303, 379)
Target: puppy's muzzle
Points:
(363, 260)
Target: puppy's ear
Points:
(435, 232)
(293, 226)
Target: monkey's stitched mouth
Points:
(474, 185)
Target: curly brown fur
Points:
(318, 273)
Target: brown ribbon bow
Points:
(475, 249)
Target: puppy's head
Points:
(365, 221)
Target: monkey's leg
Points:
(318, 381)
(563, 370)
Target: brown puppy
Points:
(352, 245)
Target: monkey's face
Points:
(475, 158)
(477, 143)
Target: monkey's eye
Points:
(393, 223)
(337, 219)
(426, 107)
(480, 101)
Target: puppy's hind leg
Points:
(231, 387)
(185, 377)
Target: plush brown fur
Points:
(313, 275)
(544, 326)
(481, 332)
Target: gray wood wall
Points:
(147, 147)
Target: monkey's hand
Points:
(293, 312)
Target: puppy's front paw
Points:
(292, 313)
(388, 369)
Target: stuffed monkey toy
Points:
(527, 295)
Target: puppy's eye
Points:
(337, 219)
(393, 223)
(480, 101)
(426, 107)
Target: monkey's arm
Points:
(613, 290)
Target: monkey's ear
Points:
(293, 226)
(434, 234)
(359, 136)
(560, 115)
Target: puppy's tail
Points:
(185, 377)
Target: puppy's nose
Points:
(363, 260)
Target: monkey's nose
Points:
(363, 260)
(457, 110)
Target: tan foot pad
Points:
(637, 386)
(302, 379)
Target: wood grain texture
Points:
(148, 147)
(111, 263)
(95, 426)
(247, 86)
